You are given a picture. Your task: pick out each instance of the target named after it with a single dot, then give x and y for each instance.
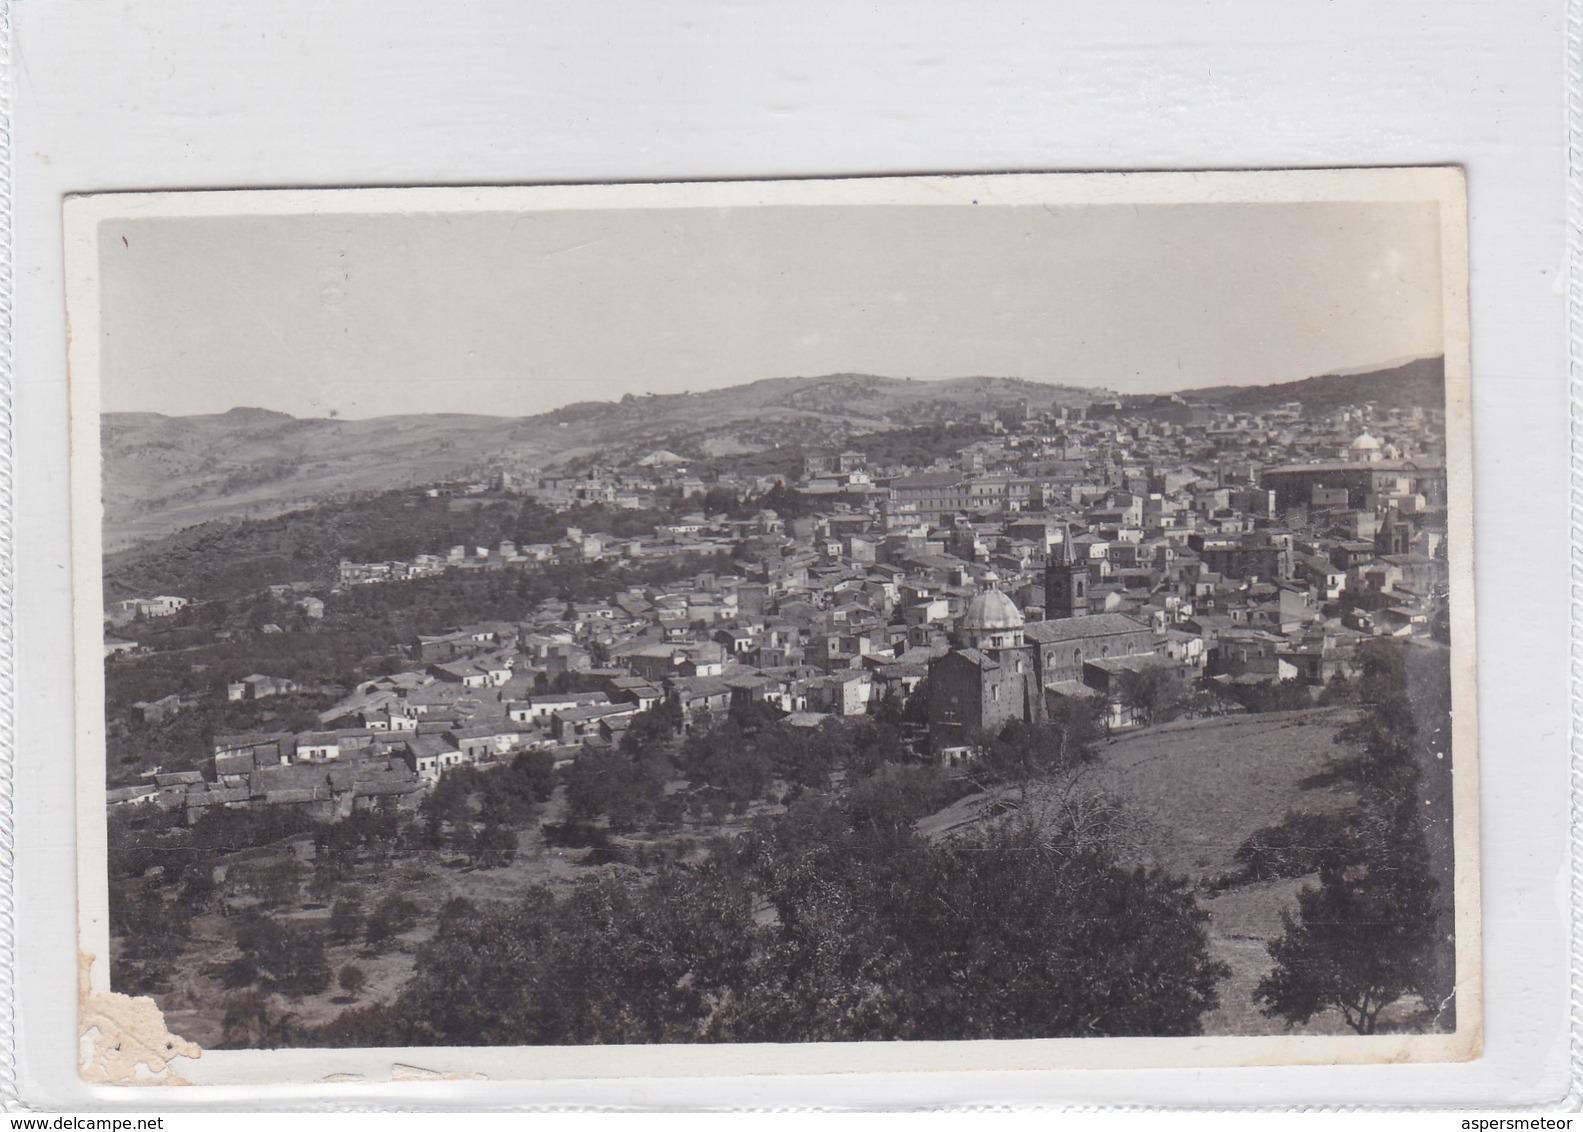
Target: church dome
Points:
(1365, 443)
(991, 611)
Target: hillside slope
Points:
(1421, 382)
(164, 473)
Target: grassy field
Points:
(1201, 787)
(1195, 791)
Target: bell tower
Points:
(1065, 583)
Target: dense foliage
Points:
(834, 919)
(1377, 928)
(225, 558)
(162, 874)
(1153, 694)
(817, 925)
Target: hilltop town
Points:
(1058, 555)
(624, 655)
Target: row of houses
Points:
(1055, 558)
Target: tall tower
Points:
(1065, 583)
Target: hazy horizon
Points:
(1385, 365)
(359, 315)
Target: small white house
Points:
(318, 746)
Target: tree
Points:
(885, 804)
(346, 918)
(729, 763)
(534, 771)
(324, 883)
(1369, 934)
(151, 932)
(807, 758)
(623, 787)
(1282, 695)
(654, 729)
(863, 746)
(786, 502)
(1361, 940)
(889, 712)
(278, 957)
(352, 979)
(1152, 693)
(878, 938)
(719, 500)
(390, 917)
(450, 803)
(335, 855)
(464, 840)
(497, 847)
(753, 716)
(276, 883)
(199, 889)
(1024, 752)
(820, 925)
(252, 1021)
(1385, 736)
(1338, 691)
(1295, 847)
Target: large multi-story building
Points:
(1265, 555)
(1294, 484)
(932, 496)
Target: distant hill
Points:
(164, 473)
(1421, 382)
(161, 473)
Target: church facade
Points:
(980, 688)
(1062, 647)
(1007, 667)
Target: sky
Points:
(515, 314)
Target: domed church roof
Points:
(992, 610)
(1365, 443)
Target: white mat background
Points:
(168, 94)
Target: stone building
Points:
(1065, 582)
(1007, 666)
(976, 690)
(1062, 647)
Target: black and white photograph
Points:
(997, 615)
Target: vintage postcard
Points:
(1005, 622)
